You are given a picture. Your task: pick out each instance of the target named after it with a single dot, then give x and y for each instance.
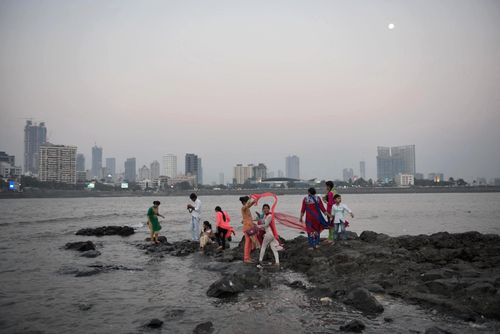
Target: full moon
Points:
(391, 26)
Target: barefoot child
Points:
(339, 211)
(154, 225)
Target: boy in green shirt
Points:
(154, 225)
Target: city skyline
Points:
(203, 76)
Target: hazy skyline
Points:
(248, 82)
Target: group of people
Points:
(260, 232)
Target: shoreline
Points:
(238, 192)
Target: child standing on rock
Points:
(339, 211)
(154, 225)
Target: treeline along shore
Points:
(57, 193)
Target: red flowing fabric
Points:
(290, 221)
(257, 197)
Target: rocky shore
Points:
(458, 274)
(455, 274)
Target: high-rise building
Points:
(348, 174)
(144, 173)
(259, 172)
(96, 169)
(242, 173)
(395, 160)
(362, 170)
(34, 136)
(191, 164)
(221, 178)
(155, 170)
(293, 167)
(199, 175)
(80, 162)
(280, 173)
(57, 163)
(111, 167)
(130, 175)
(170, 165)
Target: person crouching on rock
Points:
(206, 235)
(269, 239)
(339, 211)
(154, 225)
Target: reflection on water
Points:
(34, 295)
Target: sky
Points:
(254, 81)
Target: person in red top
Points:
(313, 208)
(224, 229)
(330, 192)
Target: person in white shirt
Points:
(339, 212)
(195, 210)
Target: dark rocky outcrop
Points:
(154, 323)
(354, 326)
(123, 231)
(362, 299)
(455, 273)
(240, 278)
(204, 328)
(81, 246)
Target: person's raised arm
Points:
(249, 204)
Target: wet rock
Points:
(444, 287)
(363, 300)
(91, 253)
(178, 248)
(154, 323)
(123, 231)
(240, 279)
(436, 330)
(84, 307)
(368, 236)
(225, 287)
(374, 288)
(297, 285)
(80, 246)
(354, 326)
(204, 328)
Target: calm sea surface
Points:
(37, 294)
